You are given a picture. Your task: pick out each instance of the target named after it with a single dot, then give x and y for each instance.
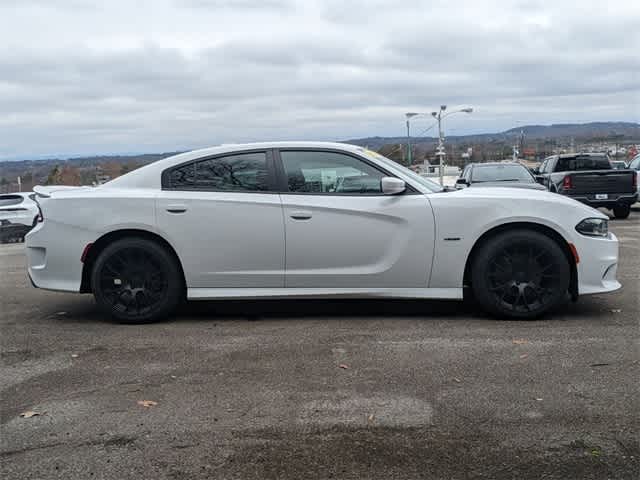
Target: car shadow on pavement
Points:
(339, 308)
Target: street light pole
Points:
(440, 151)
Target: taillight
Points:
(85, 252)
(40, 216)
(635, 179)
(566, 183)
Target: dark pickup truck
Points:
(589, 178)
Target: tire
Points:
(520, 274)
(621, 211)
(135, 280)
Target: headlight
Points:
(594, 227)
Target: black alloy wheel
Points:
(136, 281)
(520, 274)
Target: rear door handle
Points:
(301, 215)
(176, 208)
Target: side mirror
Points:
(392, 185)
(462, 183)
(540, 179)
(535, 170)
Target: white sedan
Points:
(309, 219)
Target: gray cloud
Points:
(163, 75)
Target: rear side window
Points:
(583, 163)
(7, 200)
(246, 172)
(329, 173)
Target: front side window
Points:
(232, 173)
(329, 173)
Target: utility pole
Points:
(409, 116)
(408, 143)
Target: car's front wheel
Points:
(520, 274)
(136, 280)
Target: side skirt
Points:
(255, 293)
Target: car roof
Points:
(490, 164)
(232, 147)
(580, 154)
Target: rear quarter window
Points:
(8, 200)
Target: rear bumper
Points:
(613, 200)
(598, 264)
(53, 256)
(10, 231)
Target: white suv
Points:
(18, 215)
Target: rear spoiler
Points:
(46, 191)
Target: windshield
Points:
(635, 163)
(501, 173)
(425, 182)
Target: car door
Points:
(224, 218)
(342, 232)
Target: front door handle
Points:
(301, 215)
(176, 208)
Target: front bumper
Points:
(598, 264)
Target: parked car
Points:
(18, 214)
(589, 178)
(634, 165)
(305, 219)
(618, 165)
(496, 174)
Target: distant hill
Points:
(629, 131)
(494, 145)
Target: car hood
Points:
(510, 194)
(533, 186)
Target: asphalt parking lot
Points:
(315, 389)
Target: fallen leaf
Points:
(173, 376)
(370, 419)
(524, 355)
(343, 366)
(616, 310)
(456, 379)
(538, 399)
(31, 413)
(147, 403)
(74, 355)
(520, 341)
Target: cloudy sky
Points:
(84, 77)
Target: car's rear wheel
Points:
(621, 211)
(137, 281)
(520, 274)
